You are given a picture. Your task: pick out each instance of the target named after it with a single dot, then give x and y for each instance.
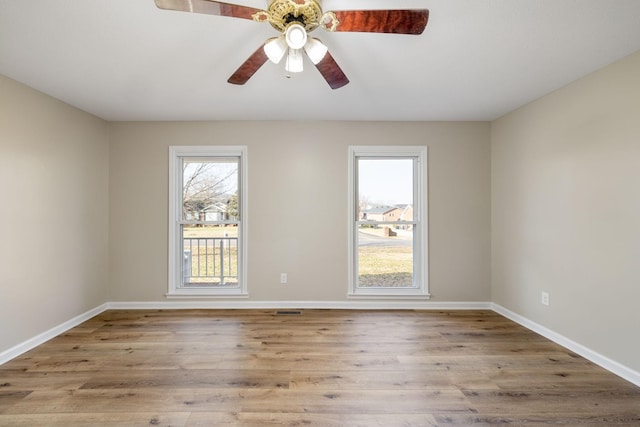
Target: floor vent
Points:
(288, 312)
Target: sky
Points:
(380, 181)
(223, 171)
(386, 181)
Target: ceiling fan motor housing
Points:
(283, 13)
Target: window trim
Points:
(176, 154)
(420, 246)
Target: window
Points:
(388, 225)
(207, 221)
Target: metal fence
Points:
(210, 261)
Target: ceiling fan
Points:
(295, 19)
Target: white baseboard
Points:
(595, 357)
(268, 305)
(31, 343)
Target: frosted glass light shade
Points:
(276, 49)
(316, 50)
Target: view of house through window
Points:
(387, 235)
(206, 226)
(385, 226)
(210, 221)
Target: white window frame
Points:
(420, 290)
(176, 155)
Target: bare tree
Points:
(364, 204)
(204, 184)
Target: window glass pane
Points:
(210, 255)
(385, 256)
(210, 189)
(385, 188)
(385, 195)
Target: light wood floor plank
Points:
(205, 419)
(134, 419)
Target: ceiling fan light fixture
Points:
(294, 61)
(296, 36)
(316, 50)
(295, 19)
(276, 49)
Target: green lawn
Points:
(385, 266)
(210, 231)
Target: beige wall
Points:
(53, 212)
(298, 204)
(566, 211)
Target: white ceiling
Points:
(477, 59)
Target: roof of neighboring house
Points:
(217, 206)
(384, 209)
(379, 210)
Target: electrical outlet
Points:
(545, 298)
(283, 278)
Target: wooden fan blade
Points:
(411, 21)
(332, 72)
(249, 67)
(208, 7)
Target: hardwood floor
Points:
(319, 368)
